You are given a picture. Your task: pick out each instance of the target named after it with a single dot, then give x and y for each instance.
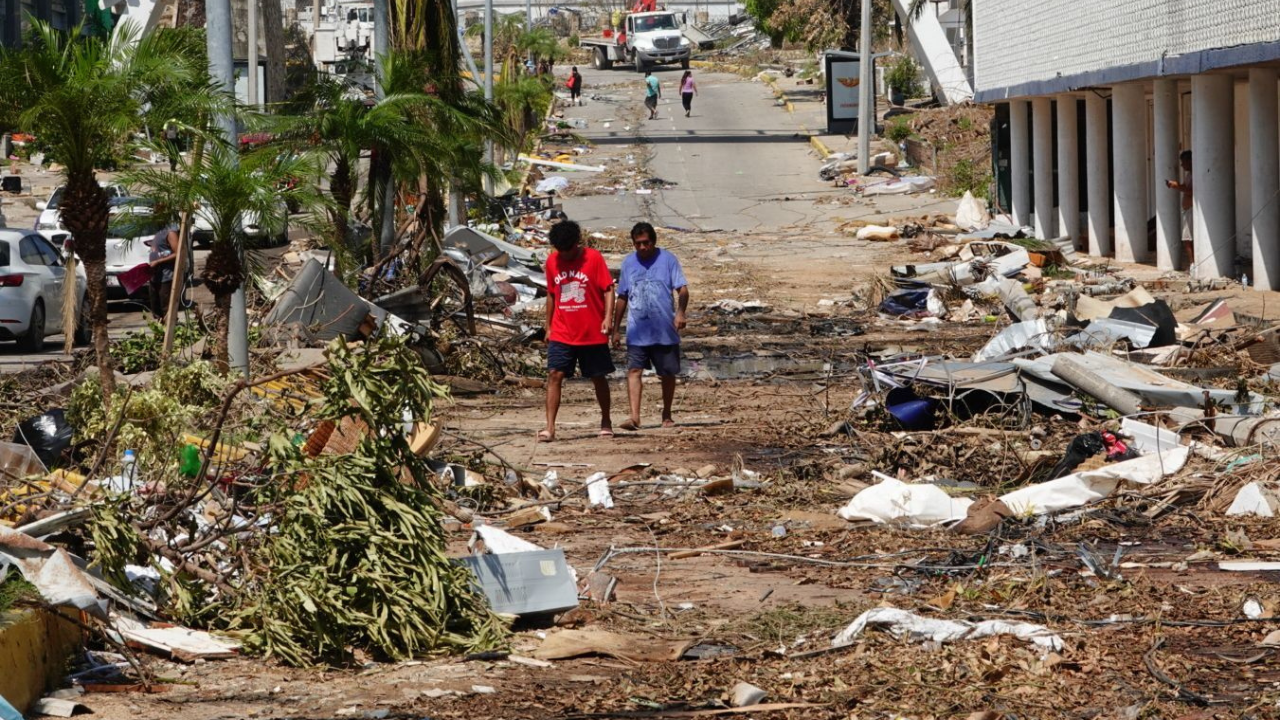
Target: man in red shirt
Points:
(579, 305)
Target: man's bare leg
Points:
(668, 395)
(1188, 256)
(635, 386)
(601, 385)
(555, 382)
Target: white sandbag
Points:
(971, 214)
(878, 232)
(894, 502)
(902, 623)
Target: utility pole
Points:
(381, 46)
(488, 82)
(218, 33)
(253, 52)
(866, 98)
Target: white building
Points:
(1102, 96)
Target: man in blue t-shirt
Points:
(648, 280)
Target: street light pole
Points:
(381, 46)
(866, 98)
(253, 52)
(488, 81)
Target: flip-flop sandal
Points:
(606, 433)
(545, 437)
(628, 426)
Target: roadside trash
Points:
(1082, 447)
(735, 307)
(902, 186)
(912, 627)
(1089, 486)
(565, 644)
(913, 304)
(746, 694)
(878, 232)
(552, 183)
(1255, 498)
(48, 434)
(971, 214)
(598, 490)
(894, 502)
(910, 410)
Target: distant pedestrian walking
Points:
(575, 86)
(688, 88)
(652, 91)
(1183, 186)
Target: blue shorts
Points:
(593, 360)
(664, 359)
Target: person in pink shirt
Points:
(688, 88)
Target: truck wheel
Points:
(684, 64)
(641, 65)
(602, 61)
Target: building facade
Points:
(1099, 99)
(62, 14)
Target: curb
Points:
(823, 151)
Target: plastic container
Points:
(129, 468)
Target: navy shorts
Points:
(593, 360)
(664, 359)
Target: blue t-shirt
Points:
(651, 86)
(651, 308)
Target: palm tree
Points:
(230, 188)
(82, 98)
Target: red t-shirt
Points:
(579, 288)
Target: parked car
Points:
(254, 234)
(49, 222)
(32, 273)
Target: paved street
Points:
(739, 162)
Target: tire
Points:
(641, 65)
(84, 330)
(283, 238)
(684, 64)
(601, 60)
(33, 341)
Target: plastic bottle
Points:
(128, 469)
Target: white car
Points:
(250, 225)
(31, 289)
(130, 231)
(49, 222)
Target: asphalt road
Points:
(738, 162)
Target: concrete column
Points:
(1042, 160)
(1168, 202)
(1020, 161)
(1264, 131)
(1213, 174)
(1244, 198)
(1098, 163)
(1129, 138)
(1068, 168)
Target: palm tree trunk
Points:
(221, 328)
(342, 188)
(85, 213)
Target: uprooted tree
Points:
(319, 552)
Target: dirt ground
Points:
(1164, 635)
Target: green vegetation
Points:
(967, 176)
(14, 589)
(898, 130)
(904, 76)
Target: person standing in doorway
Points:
(653, 296)
(575, 86)
(1188, 231)
(652, 91)
(688, 88)
(579, 312)
(171, 143)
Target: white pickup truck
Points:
(644, 39)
